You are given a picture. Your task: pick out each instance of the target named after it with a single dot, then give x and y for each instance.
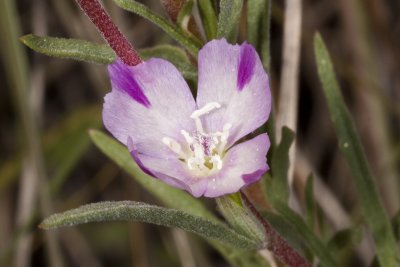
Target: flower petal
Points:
(244, 163)
(148, 102)
(233, 76)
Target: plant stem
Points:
(276, 243)
(118, 42)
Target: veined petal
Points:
(244, 164)
(234, 77)
(148, 102)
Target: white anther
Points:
(217, 162)
(172, 144)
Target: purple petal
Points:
(171, 106)
(233, 76)
(123, 78)
(246, 65)
(243, 164)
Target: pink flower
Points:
(193, 145)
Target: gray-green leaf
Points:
(70, 48)
(191, 43)
(350, 145)
(142, 212)
(228, 18)
(255, 11)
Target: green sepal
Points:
(240, 218)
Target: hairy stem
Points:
(118, 42)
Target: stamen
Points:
(173, 145)
(203, 152)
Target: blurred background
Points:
(47, 105)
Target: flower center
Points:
(203, 152)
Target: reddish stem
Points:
(118, 42)
(275, 242)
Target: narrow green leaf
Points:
(173, 54)
(280, 166)
(191, 43)
(169, 195)
(255, 11)
(70, 49)
(241, 219)
(142, 212)
(350, 146)
(228, 18)
(311, 241)
(310, 202)
(209, 18)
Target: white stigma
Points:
(203, 152)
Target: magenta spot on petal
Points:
(122, 78)
(254, 176)
(135, 156)
(247, 63)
